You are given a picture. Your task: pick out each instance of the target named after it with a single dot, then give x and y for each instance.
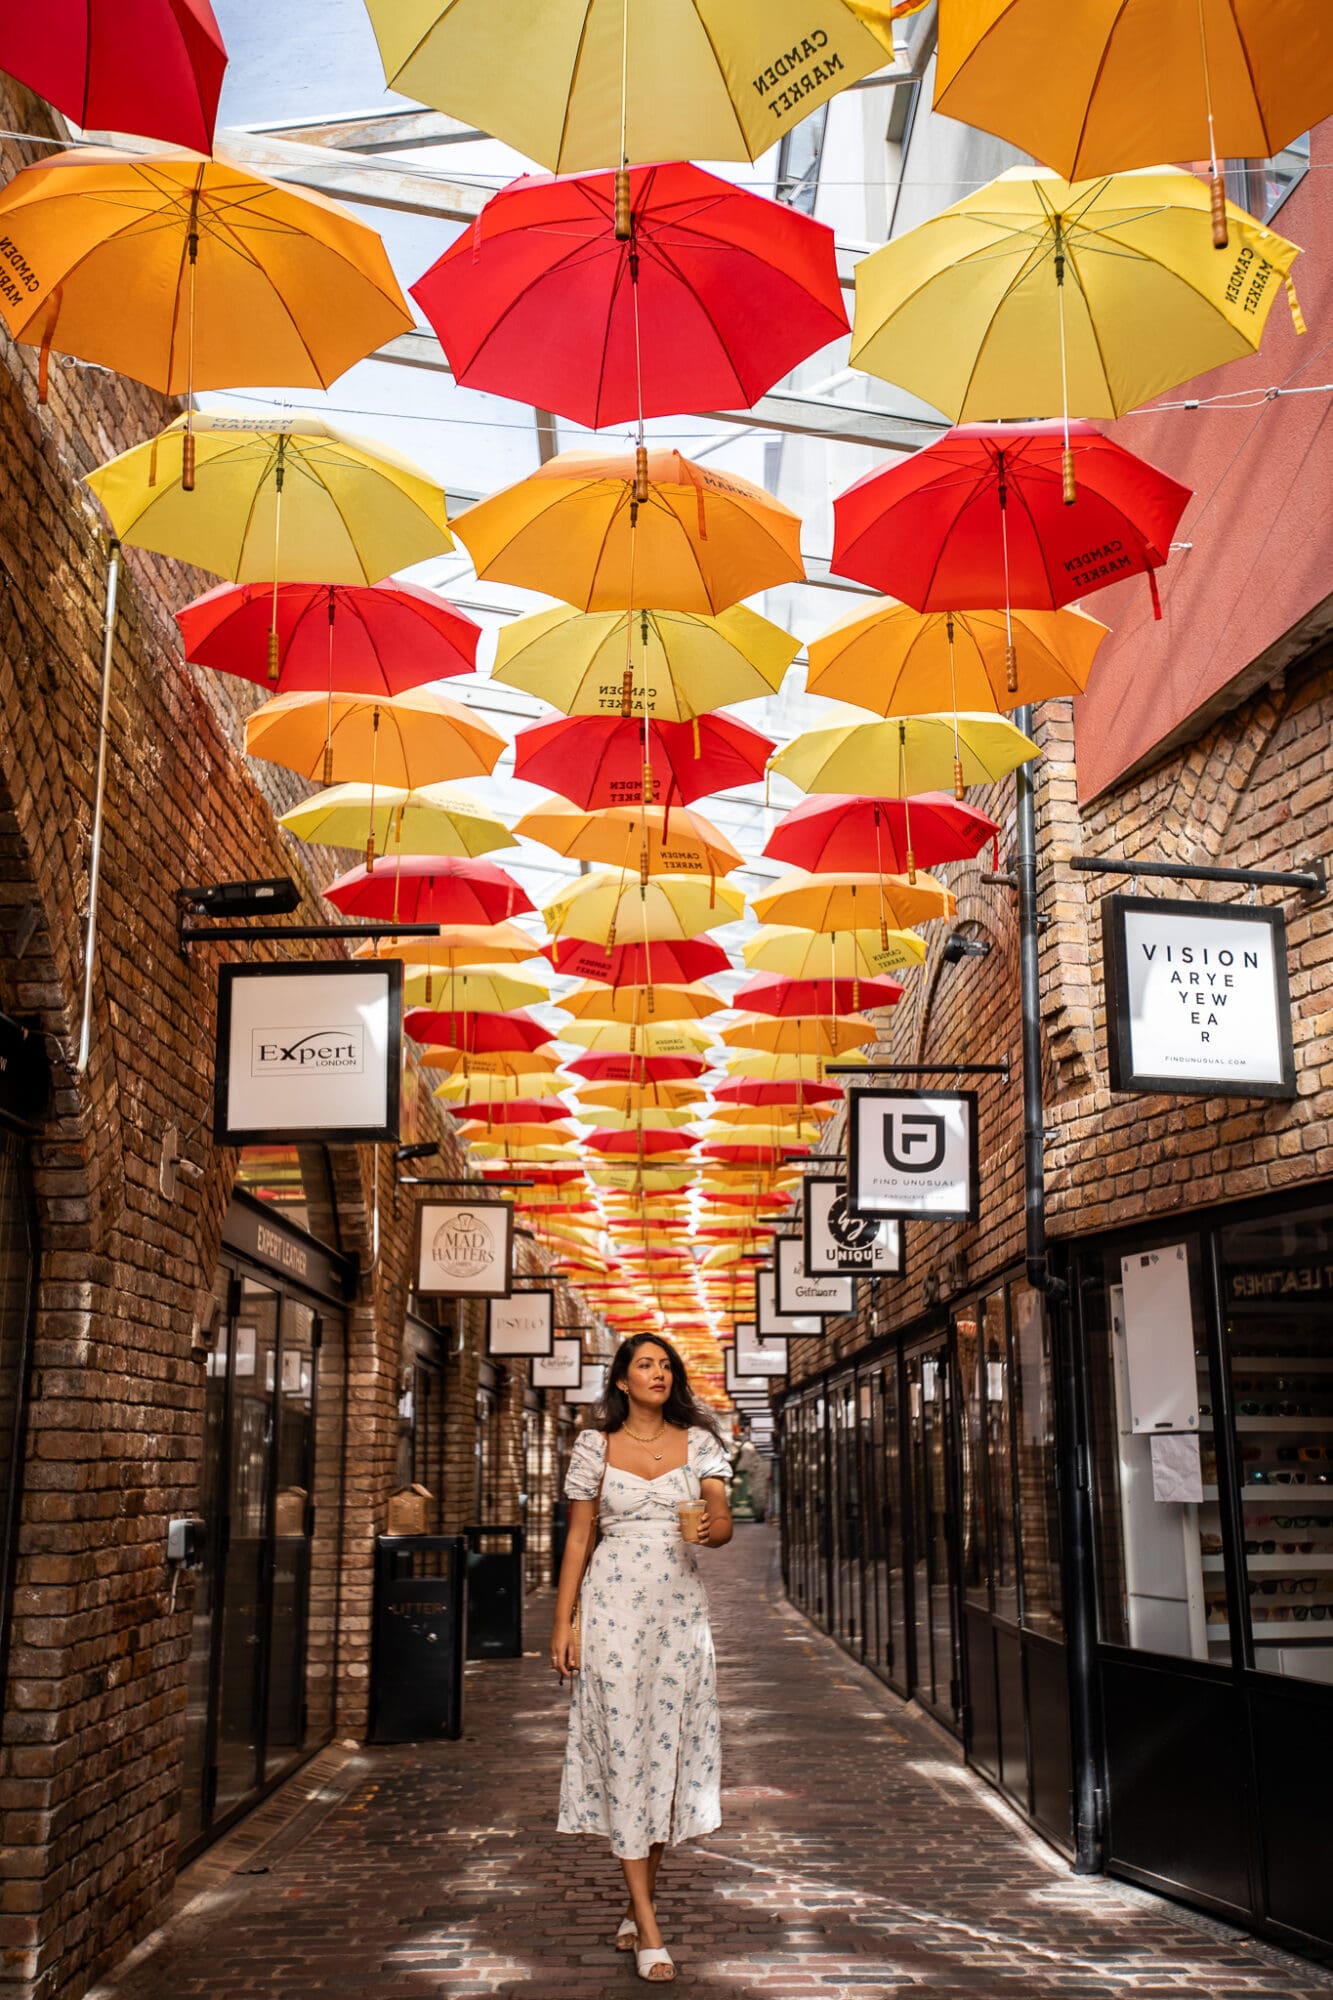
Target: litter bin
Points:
(416, 1682)
(494, 1593)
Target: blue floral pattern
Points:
(643, 1762)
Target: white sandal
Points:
(649, 1956)
(627, 1937)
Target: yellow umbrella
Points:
(457, 944)
(818, 1034)
(475, 989)
(509, 1062)
(611, 906)
(632, 1175)
(595, 1002)
(647, 1118)
(896, 661)
(680, 841)
(625, 1096)
(494, 1149)
(1048, 296)
(477, 1089)
(592, 83)
(636, 1038)
(916, 753)
(479, 1131)
(605, 529)
(673, 664)
(799, 954)
(189, 273)
(434, 819)
(414, 739)
(852, 902)
(762, 1114)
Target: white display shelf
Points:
(1275, 1564)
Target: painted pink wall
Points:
(1259, 520)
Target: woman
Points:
(643, 1761)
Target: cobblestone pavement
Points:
(856, 1858)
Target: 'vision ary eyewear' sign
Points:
(913, 1154)
(1197, 998)
(308, 1052)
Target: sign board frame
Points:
(886, 1256)
(506, 1339)
(789, 1272)
(592, 1384)
(859, 1101)
(741, 1386)
(564, 1362)
(758, 1354)
(769, 1323)
(379, 985)
(431, 1218)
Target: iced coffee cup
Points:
(691, 1515)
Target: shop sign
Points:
(798, 1292)
(751, 1386)
(770, 1324)
(562, 1368)
(591, 1386)
(913, 1153)
(464, 1249)
(1197, 999)
(309, 1051)
(840, 1243)
(524, 1323)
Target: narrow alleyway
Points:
(857, 1857)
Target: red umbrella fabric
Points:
(752, 1156)
(431, 889)
(379, 638)
(598, 760)
(714, 296)
(788, 999)
(746, 1090)
(836, 833)
(614, 1067)
(932, 529)
(152, 67)
(666, 964)
(476, 1034)
(512, 1110)
(606, 1139)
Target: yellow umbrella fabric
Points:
(611, 662)
(595, 1002)
(106, 238)
(474, 990)
(918, 753)
(763, 1114)
(457, 944)
(852, 902)
(801, 954)
(666, 908)
(497, 1089)
(652, 1178)
(680, 841)
(275, 501)
(478, 1132)
(896, 661)
(699, 539)
(647, 1118)
(651, 1096)
(704, 79)
(641, 1039)
(819, 1034)
(510, 1062)
(434, 819)
(1046, 296)
(1139, 81)
(760, 1067)
(414, 739)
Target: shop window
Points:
(990, 1567)
(800, 153)
(298, 1180)
(1034, 1462)
(17, 1251)
(1261, 186)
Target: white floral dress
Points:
(643, 1761)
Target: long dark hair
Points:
(681, 1406)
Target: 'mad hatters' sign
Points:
(1197, 998)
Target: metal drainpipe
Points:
(1039, 1274)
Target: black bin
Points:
(494, 1593)
(416, 1682)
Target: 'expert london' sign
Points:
(1197, 998)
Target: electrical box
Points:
(185, 1541)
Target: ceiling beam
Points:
(374, 184)
(376, 131)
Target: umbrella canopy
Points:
(649, 1038)
(415, 739)
(477, 1034)
(818, 1035)
(757, 1155)
(491, 1063)
(835, 831)
(378, 639)
(896, 661)
(434, 819)
(979, 517)
(479, 990)
(647, 1096)
(1034, 294)
(750, 1092)
(480, 1088)
(648, 1118)
(593, 1002)
(609, 296)
(457, 944)
(852, 902)
(710, 79)
(792, 999)
(650, 1145)
(609, 905)
(600, 760)
(275, 503)
(476, 1131)
(793, 1109)
(606, 530)
(801, 954)
(514, 1111)
(152, 67)
(914, 750)
(637, 964)
(443, 889)
(189, 273)
(675, 663)
(619, 1066)
(679, 842)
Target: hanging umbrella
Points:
(791, 999)
(411, 740)
(914, 750)
(751, 1093)
(650, 1145)
(681, 842)
(379, 638)
(589, 83)
(1142, 81)
(598, 760)
(491, 1063)
(634, 964)
(648, 1118)
(477, 1034)
(457, 944)
(610, 296)
(191, 274)
(434, 819)
(505, 1138)
(834, 831)
(611, 904)
(619, 1066)
(515, 1111)
(896, 661)
(1035, 294)
(594, 1002)
(649, 1096)
(759, 1155)
(608, 529)
(852, 902)
(477, 989)
(670, 1038)
(802, 954)
(795, 1110)
(819, 1034)
(478, 1089)
(151, 67)
(425, 888)
(938, 530)
(675, 663)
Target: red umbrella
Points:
(833, 833)
(605, 1140)
(674, 964)
(788, 999)
(152, 67)
(378, 638)
(625, 1068)
(979, 517)
(476, 1034)
(707, 298)
(753, 1156)
(512, 1110)
(745, 1090)
(431, 889)
(599, 760)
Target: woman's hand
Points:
(562, 1649)
(705, 1526)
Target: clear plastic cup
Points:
(691, 1514)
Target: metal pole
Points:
(1029, 971)
(99, 795)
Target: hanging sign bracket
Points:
(1312, 882)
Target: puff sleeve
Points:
(707, 1456)
(585, 1466)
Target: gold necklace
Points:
(656, 1456)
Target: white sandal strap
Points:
(651, 1955)
(628, 1928)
